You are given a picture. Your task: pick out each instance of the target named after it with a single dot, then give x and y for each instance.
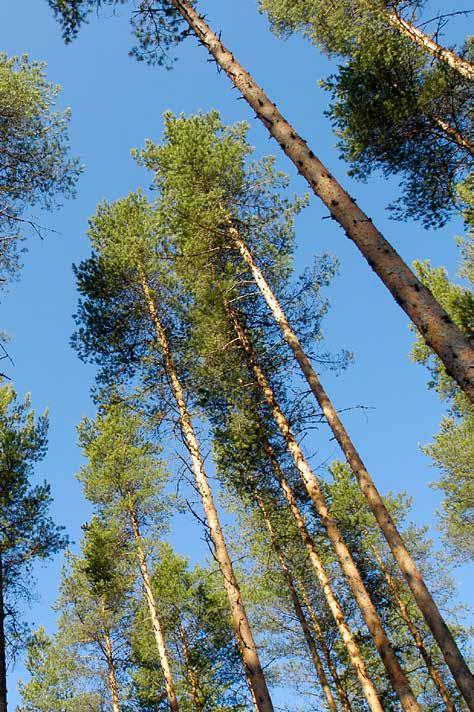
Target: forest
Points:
(236, 356)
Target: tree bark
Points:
(355, 656)
(243, 632)
(408, 567)
(394, 670)
(342, 694)
(3, 656)
(454, 135)
(193, 682)
(155, 619)
(433, 672)
(430, 45)
(112, 676)
(320, 672)
(453, 348)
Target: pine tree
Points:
(27, 532)
(125, 479)
(158, 26)
(35, 168)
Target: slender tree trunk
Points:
(341, 691)
(320, 672)
(155, 619)
(453, 348)
(248, 648)
(453, 134)
(430, 45)
(3, 656)
(394, 670)
(193, 682)
(408, 567)
(112, 677)
(433, 672)
(352, 648)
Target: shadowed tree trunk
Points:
(3, 657)
(408, 567)
(111, 673)
(433, 672)
(320, 672)
(342, 694)
(155, 619)
(453, 348)
(248, 648)
(355, 656)
(192, 679)
(394, 670)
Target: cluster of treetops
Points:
(191, 312)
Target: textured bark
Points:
(408, 567)
(3, 656)
(111, 674)
(155, 619)
(430, 45)
(198, 702)
(453, 348)
(394, 670)
(320, 672)
(453, 134)
(341, 691)
(355, 656)
(243, 632)
(433, 672)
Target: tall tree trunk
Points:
(453, 348)
(433, 672)
(408, 567)
(352, 648)
(320, 672)
(341, 691)
(3, 656)
(155, 619)
(454, 135)
(248, 648)
(193, 682)
(111, 674)
(394, 670)
(430, 45)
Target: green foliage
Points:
(27, 532)
(35, 167)
(391, 102)
(58, 679)
(194, 613)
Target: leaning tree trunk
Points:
(355, 656)
(341, 691)
(408, 567)
(3, 657)
(433, 672)
(111, 673)
(438, 330)
(243, 632)
(320, 672)
(394, 670)
(430, 45)
(155, 619)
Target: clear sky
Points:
(117, 103)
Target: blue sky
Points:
(117, 103)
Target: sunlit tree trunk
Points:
(433, 672)
(454, 135)
(3, 656)
(341, 691)
(111, 673)
(320, 672)
(430, 45)
(453, 348)
(408, 567)
(248, 648)
(155, 619)
(355, 656)
(394, 670)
